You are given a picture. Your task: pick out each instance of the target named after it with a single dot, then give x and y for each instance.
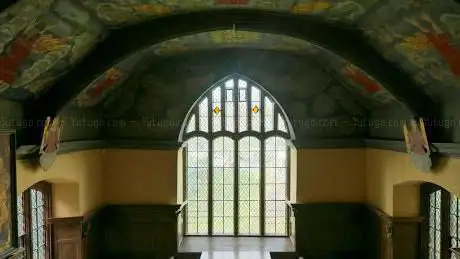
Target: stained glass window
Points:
(228, 158)
(434, 226)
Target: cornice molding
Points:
(28, 152)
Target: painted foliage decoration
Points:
(35, 51)
(97, 90)
(365, 85)
(425, 45)
(50, 142)
(417, 145)
(114, 12)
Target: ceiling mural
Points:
(155, 101)
(115, 12)
(34, 51)
(356, 80)
(424, 40)
(41, 40)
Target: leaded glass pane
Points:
(269, 114)
(275, 185)
(242, 83)
(197, 155)
(242, 95)
(249, 190)
(281, 124)
(21, 222)
(229, 83)
(216, 110)
(242, 116)
(229, 111)
(203, 110)
(191, 124)
(255, 109)
(434, 223)
(223, 194)
(454, 227)
(229, 95)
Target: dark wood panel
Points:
(140, 231)
(334, 230)
(118, 231)
(67, 237)
(399, 237)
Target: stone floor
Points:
(236, 247)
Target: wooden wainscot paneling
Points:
(406, 237)
(93, 235)
(140, 231)
(399, 237)
(67, 237)
(334, 230)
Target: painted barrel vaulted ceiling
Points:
(389, 57)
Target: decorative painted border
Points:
(28, 152)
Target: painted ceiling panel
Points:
(423, 38)
(156, 100)
(36, 50)
(41, 39)
(355, 80)
(115, 12)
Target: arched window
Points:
(236, 140)
(33, 211)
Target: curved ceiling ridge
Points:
(114, 13)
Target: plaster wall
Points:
(83, 181)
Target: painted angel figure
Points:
(50, 142)
(417, 145)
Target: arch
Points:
(236, 139)
(352, 47)
(191, 116)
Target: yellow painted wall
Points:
(65, 200)
(83, 169)
(327, 175)
(83, 181)
(140, 176)
(387, 169)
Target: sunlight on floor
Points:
(236, 255)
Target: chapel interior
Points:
(221, 129)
